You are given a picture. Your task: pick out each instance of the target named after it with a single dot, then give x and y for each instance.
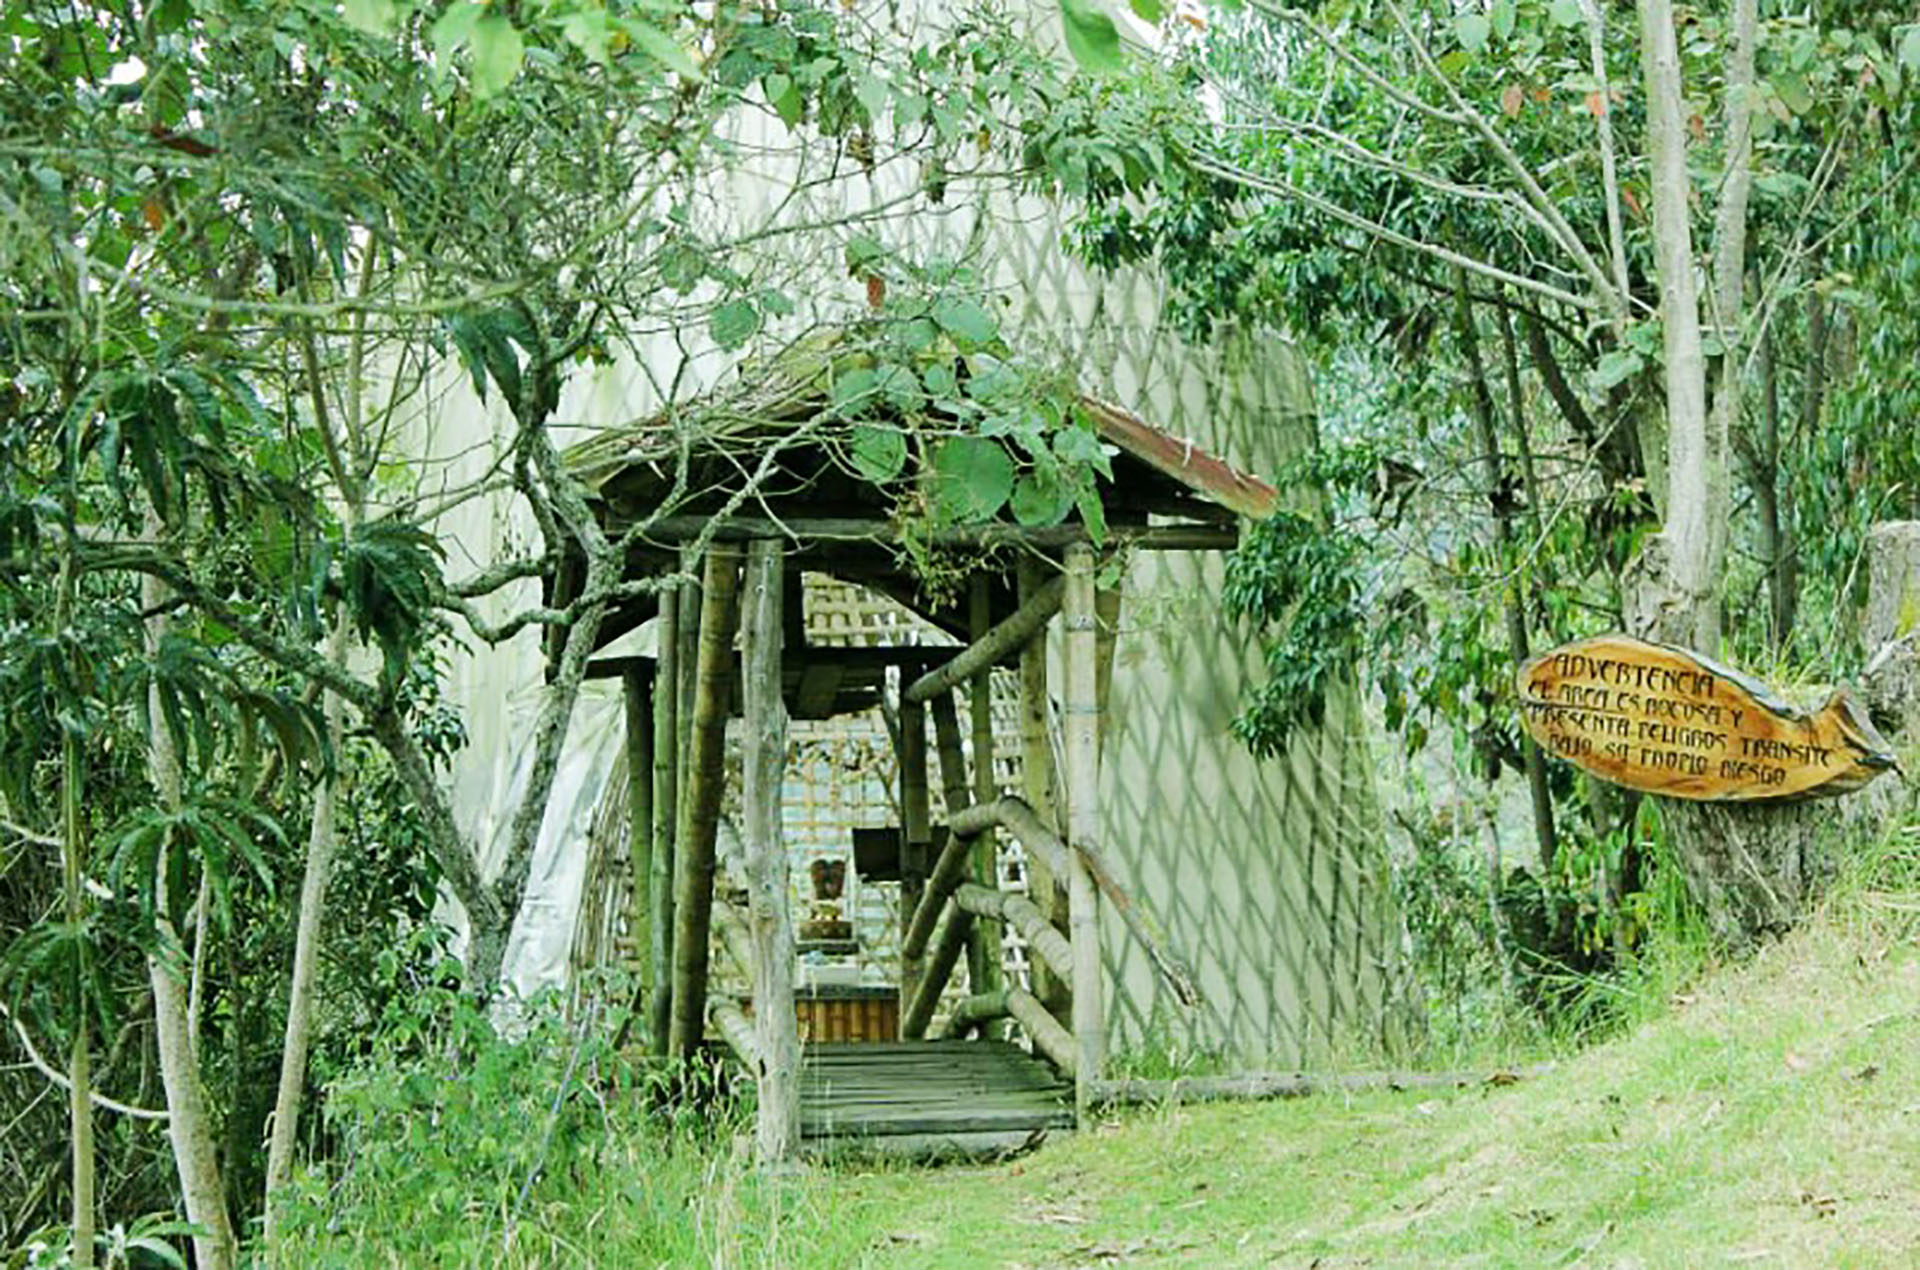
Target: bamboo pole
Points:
(777, 1122)
(916, 837)
(1083, 825)
(992, 647)
(700, 814)
(1050, 948)
(1038, 781)
(984, 943)
(939, 967)
(637, 689)
(666, 801)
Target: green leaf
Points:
(964, 320)
(1473, 29)
(1094, 514)
(661, 47)
(1147, 10)
(1794, 92)
(1565, 12)
(1503, 18)
(589, 31)
(874, 96)
(734, 323)
(1616, 366)
(454, 28)
(783, 97)
(1092, 38)
(375, 17)
(973, 478)
(497, 51)
(940, 380)
(1910, 49)
(879, 453)
(1082, 446)
(853, 390)
(1040, 499)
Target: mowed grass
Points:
(1769, 1117)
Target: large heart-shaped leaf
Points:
(973, 478)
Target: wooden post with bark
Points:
(637, 693)
(700, 813)
(665, 803)
(916, 830)
(983, 945)
(1039, 781)
(1083, 822)
(769, 912)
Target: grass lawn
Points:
(1772, 1117)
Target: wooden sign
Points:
(1667, 721)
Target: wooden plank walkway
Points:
(929, 1096)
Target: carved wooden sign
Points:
(1667, 721)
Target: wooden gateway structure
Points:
(729, 642)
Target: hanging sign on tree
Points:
(1668, 721)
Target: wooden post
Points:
(769, 912)
(637, 688)
(1039, 780)
(666, 800)
(1083, 824)
(917, 831)
(983, 945)
(700, 809)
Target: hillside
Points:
(1771, 1116)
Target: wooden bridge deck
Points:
(929, 1097)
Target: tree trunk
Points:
(1672, 593)
(189, 1122)
(1501, 498)
(769, 906)
(73, 871)
(321, 842)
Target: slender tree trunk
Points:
(1500, 498)
(322, 840)
(1674, 593)
(1039, 781)
(666, 798)
(73, 870)
(189, 1122)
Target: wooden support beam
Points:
(736, 937)
(938, 968)
(637, 689)
(947, 873)
(666, 801)
(915, 840)
(982, 1010)
(770, 916)
(995, 646)
(1049, 947)
(1187, 537)
(1083, 826)
(1039, 782)
(737, 1030)
(983, 946)
(700, 814)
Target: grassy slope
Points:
(1771, 1118)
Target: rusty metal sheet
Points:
(1668, 721)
